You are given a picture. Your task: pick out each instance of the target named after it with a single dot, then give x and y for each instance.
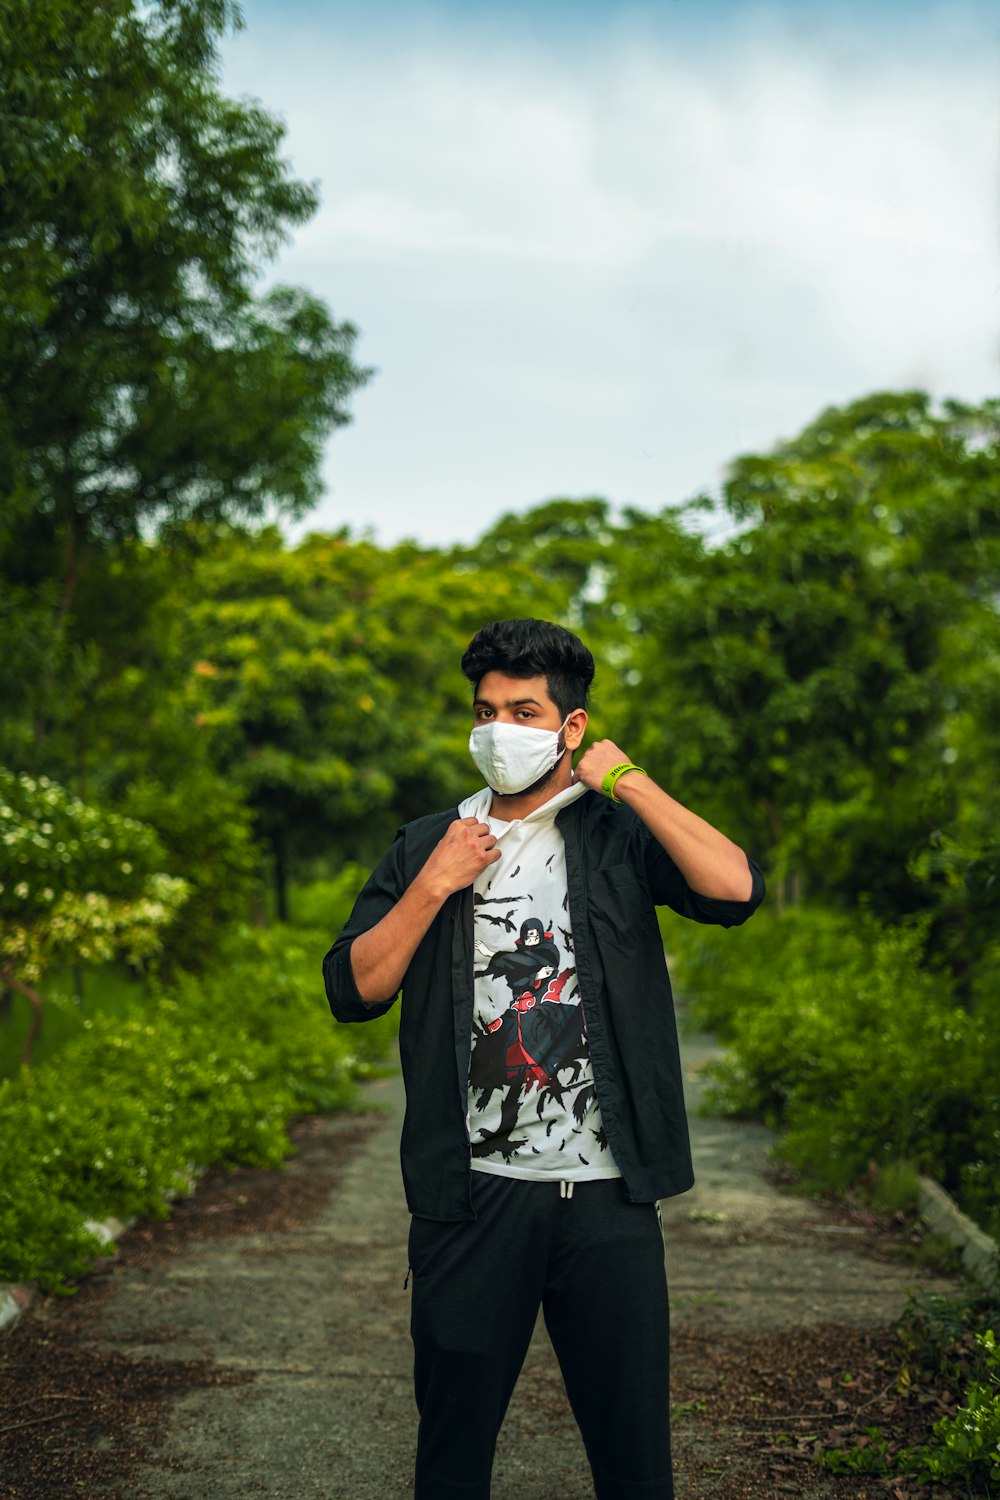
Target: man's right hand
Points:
(381, 956)
(462, 854)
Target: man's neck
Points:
(520, 804)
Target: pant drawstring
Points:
(565, 1188)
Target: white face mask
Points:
(513, 758)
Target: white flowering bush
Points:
(78, 884)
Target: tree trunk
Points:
(280, 877)
(777, 828)
(71, 572)
(34, 999)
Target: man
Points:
(545, 1116)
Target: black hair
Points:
(533, 648)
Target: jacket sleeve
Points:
(668, 887)
(381, 891)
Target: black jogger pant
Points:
(594, 1263)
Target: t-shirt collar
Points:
(478, 805)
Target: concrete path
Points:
(748, 1256)
(316, 1317)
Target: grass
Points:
(111, 990)
(896, 1188)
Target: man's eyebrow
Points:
(510, 703)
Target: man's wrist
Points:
(612, 777)
(433, 889)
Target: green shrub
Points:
(839, 1035)
(722, 973)
(324, 906)
(978, 1180)
(966, 1447)
(896, 1189)
(208, 1072)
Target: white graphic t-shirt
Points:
(533, 1110)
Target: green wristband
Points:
(610, 778)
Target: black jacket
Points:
(616, 875)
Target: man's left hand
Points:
(712, 865)
(597, 761)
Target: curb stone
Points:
(14, 1300)
(980, 1253)
(17, 1297)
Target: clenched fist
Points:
(464, 851)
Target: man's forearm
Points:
(711, 864)
(381, 956)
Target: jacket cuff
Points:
(724, 913)
(342, 991)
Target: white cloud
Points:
(612, 271)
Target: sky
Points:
(602, 248)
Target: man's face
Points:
(525, 702)
(532, 937)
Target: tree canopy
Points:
(323, 681)
(821, 665)
(144, 380)
(146, 385)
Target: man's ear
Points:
(576, 728)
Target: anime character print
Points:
(531, 1087)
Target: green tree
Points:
(325, 681)
(144, 379)
(812, 672)
(562, 542)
